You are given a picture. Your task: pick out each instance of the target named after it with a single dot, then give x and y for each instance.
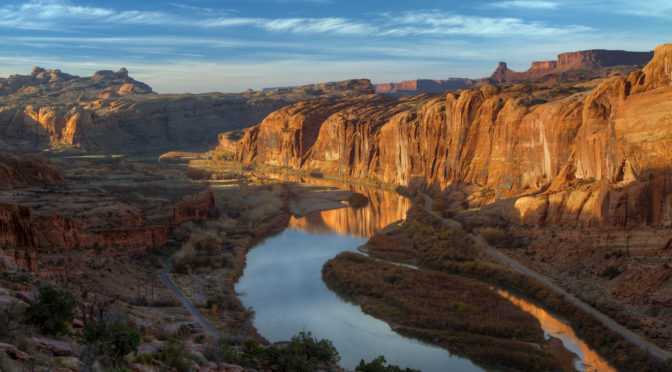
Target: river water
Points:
(282, 282)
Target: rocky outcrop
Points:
(18, 245)
(110, 111)
(575, 66)
(129, 212)
(597, 158)
(419, 86)
(28, 170)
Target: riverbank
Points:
(423, 240)
(462, 315)
(213, 253)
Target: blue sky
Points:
(231, 45)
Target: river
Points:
(282, 283)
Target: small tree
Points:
(120, 339)
(53, 310)
(378, 365)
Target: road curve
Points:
(185, 301)
(605, 320)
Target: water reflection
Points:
(589, 359)
(282, 281)
(384, 208)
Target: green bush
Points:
(10, 319)
(120, 339)
(53, 310)
(378, 365)
(175, 355)
(303, 354)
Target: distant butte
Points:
(575, 66)
(569, 67)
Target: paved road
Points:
(608, 322)
(185, 301)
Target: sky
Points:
(232, 45)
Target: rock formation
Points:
(597, 158)
(28, 170)
(110, 111)
(129, 211)
(575, 66)
(419, 86)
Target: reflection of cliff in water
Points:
(384, 208)
(590, 359)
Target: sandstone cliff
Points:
(575, 66)
(28, 170)
(110, 111)
(596, 157)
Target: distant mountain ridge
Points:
(418, 86)
(574, 66)
(569, 67)
(110, 111)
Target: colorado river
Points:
(282, 283)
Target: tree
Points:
(53, 310)
(120, 339)
(378, 365)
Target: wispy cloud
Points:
(649, 8)
(58, 14)
(441, 23)
(526, 4)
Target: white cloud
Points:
(58, 14)
(648, 8)
(526, 4)
(440, 23)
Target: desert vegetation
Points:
(212, 253)
(426, 242)
(463, 315)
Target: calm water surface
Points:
(283, 283)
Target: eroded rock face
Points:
(28, 170)
(110, 111)
(130, 213)
(597, 158)
(574, 66)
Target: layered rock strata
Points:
(116, 206)
(597, 157)
(575, 66)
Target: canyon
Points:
(43, 218)
(566, 163)
(552, 163)
(589, 153)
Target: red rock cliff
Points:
(28, 170)
(572, 66)
(598, 158)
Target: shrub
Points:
(209, 243)
(120, 339)
(303, 354)
(492, 235)
(175, 355)
(378, 365)
(53, 310)
(10, 318)
(610, 272)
